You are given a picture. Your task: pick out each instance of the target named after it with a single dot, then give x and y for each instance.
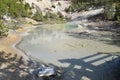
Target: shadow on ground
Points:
(86, 69)
(13, 67)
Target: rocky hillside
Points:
(48, 5)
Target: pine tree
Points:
(15, 8)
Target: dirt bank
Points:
(14, 64)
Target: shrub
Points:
(66, 9)
(3, 29)
(112, 7)
(60, 15)
(118, 11)
(15, 8)
(38, 16)
(53, 6)
(50, 15)
(59, 4)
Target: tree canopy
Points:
(112, 7)
(14, 8)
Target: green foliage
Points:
(59, 14)
(17, 8)
(78, 5)
(59, 4)
(38, 16)
(3, 8)
(14, 8)
(112, 10)
(3, 29)
(112, 7)
(54, 18)
(50, 15)
(39, 0)
(67, 9)
(118, 11)
(53, 6)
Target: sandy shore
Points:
(15, 64)
(8, 43)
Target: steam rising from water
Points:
(46, 37)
